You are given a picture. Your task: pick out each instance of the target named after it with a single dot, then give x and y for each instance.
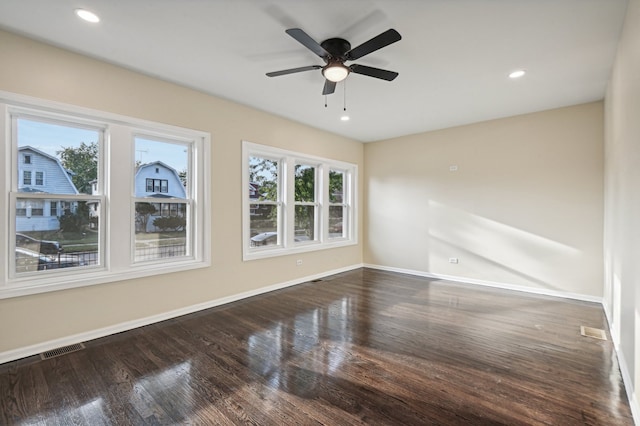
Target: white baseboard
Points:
(628, 384)
(505, 286)
(624, 370)
(26, 351)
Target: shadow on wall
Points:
(425, 236)
(525, 255)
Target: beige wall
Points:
(622, 199)
(42, 71)
(524, 207)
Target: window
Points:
(293, 202)
(337, 206)
(157, 185)
(56, 235)
(265, 215)
(305, 217)
(57, 145)
(160, 232)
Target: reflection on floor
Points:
(360, 347)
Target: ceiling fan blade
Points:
(378, 42)
(329, 87)
(293, 70)
(373, 72)
(304, 39)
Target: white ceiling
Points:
(453, 58)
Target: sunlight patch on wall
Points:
(526, 253)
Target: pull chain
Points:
(325, 101)
(345, 95)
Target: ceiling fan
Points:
(336, 51)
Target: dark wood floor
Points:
(363, 347)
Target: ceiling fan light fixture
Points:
(335, 72)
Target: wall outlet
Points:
(299, 262)
(453, 260)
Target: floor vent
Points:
(316, 280)
(62, 351)
(596, 333)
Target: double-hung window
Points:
(39, 178)
(158, 234)
(265, 200)
(80, 212)
(295, 202)
(338, 208)
(54, 143)
(305, 200)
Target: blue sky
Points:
(50, 137)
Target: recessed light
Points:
(87, 15)
(517, 74)
(344, 118)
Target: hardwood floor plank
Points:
(361, 347)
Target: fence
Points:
(87, 258)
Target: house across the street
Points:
(40, 172)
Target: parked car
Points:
(264, 239)
(40, 246)
(30, 260)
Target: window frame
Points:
(278, 203)
(343, 204)
(114, 196)
(317, 196)
(42, 181)
(24, 177)
(287, 203)
(189, 201)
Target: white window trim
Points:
(346, 185)
(317, 203)
(115, 209)
(287, 245)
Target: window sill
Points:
(255, 254)
(24, 286)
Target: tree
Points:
(170, 223)
(183, 177)
(336, 187)
(75, 219)
(83, 162)
(264, 172)
(143, 211)
(304, 182)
